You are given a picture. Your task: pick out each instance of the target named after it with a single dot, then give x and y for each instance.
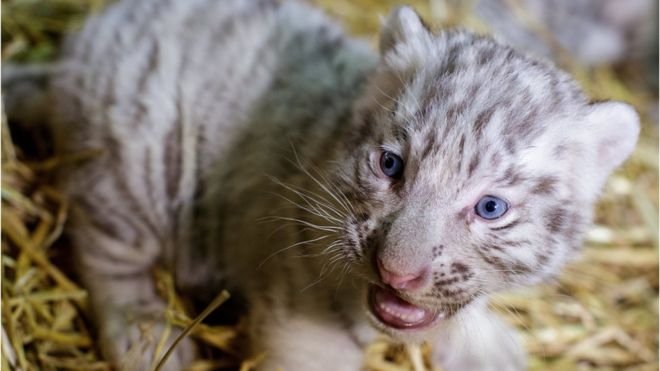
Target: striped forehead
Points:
(453, 146)
(477, 80)
(472, 110)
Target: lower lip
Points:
(378, 294)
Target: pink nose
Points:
(402, 281)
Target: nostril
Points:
(399, 280)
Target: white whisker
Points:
(290, 247)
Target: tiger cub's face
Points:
(472, 169)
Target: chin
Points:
(399, 318)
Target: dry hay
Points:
(602, 313)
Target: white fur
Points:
(241, 145)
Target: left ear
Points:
(402, 25)
(610, 133)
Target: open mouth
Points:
(393, 311)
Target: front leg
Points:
(128, 314)
(130, 320)
(478, 340)
(295, 341)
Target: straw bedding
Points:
(601, 313)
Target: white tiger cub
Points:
(251, 145)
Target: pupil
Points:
(491, 206)
(389, 162)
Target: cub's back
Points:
(165, 70)
(168, 89)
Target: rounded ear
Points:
(613, 128)
(401, 25)
(609, 134)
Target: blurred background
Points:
(600, 314)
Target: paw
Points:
(129, 341)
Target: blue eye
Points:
(391, 165)
(491, 207)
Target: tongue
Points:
(396, 312)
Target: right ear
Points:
(401, 25)
(607, 135)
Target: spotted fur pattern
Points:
(240, 148)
